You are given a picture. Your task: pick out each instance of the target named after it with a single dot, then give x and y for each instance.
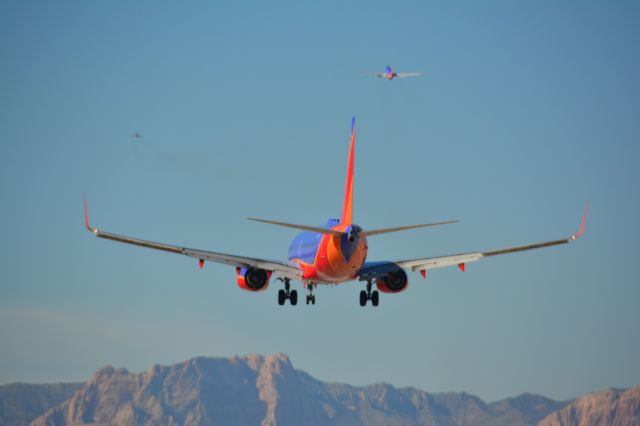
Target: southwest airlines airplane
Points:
(330, 254)
(389, 74)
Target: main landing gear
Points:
(374, 296)
(287, 293)
(311, 298)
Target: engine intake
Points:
(394, 282)
(253, 279)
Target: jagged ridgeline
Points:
(259, 390)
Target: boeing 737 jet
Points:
(333, 253)
(389, 74)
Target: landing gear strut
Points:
(374, 296)
(311, 298)
(287, 293)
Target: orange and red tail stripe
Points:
(347, 207)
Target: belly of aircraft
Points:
(332, 266)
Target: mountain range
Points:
(268, 390)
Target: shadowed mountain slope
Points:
(20, 403)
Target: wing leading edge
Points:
(283, 269)
(376, 269)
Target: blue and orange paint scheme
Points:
(333, 258)
(388, 72)
(333, 253)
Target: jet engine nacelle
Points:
(253, 279)
(394, 282)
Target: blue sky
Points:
(525, 112)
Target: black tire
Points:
(363, 298)
(281, 297)
(293, 297)
(313, 300)
(308, 299)
(375, 298)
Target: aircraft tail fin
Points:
(347, 206)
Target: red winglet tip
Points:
(461, 266)
(86, 213)
(582, 225)
(201, 263)
(423, 272)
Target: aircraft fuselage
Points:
(328, 258)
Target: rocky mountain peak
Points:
(612, 407)
(267, 390)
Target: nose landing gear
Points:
(311, 298)
(367, 295)
(287, 293)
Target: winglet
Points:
(86, 214)
(584, 221)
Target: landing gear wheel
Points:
(375, 298)
(367, 294)
(311, 298)
(286, 293)
(363, 298)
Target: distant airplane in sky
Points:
(136, 135)
(389, 74)
(332, 253)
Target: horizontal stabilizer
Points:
(404, 228)
(301, 227)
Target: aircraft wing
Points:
(377, 269)
(280, 268)
(406, 74)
